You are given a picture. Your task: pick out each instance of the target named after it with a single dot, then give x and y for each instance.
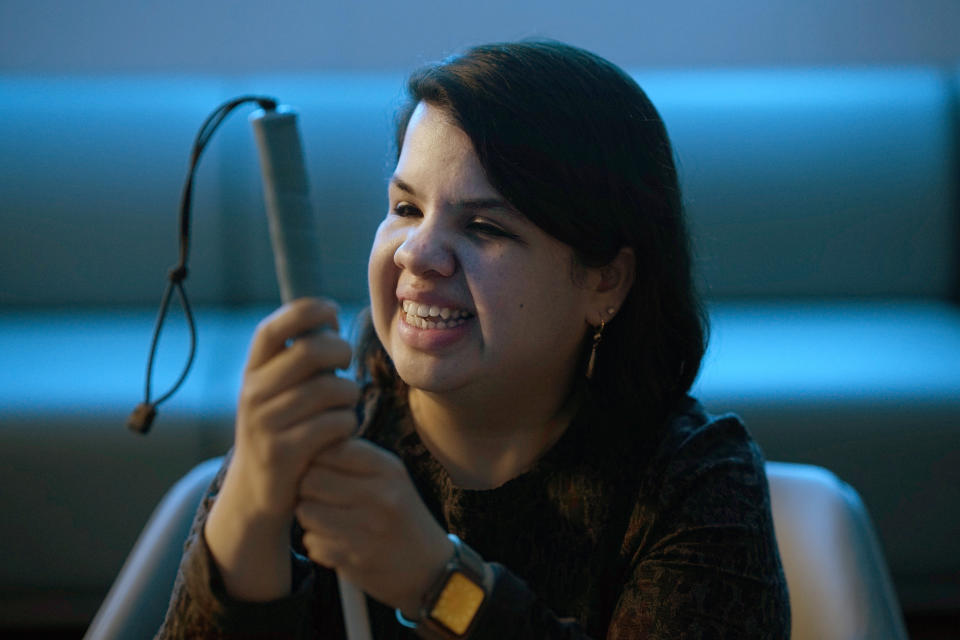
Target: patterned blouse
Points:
(617, 532)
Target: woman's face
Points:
(467, 293)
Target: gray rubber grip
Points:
(286, 190)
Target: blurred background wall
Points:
(292, 35)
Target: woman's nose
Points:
(426, 250)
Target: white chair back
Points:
(840, 588)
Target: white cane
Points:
(293, 233)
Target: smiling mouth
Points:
(424, 316)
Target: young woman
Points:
(533, 333)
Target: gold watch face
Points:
(458, 603)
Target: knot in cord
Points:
(177, 274)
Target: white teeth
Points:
(422, 323)
(414, 310)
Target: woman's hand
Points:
(363, 517)
(291, 404)
(291, 408)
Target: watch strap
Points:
(454, 601)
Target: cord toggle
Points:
(177, 274)
(141, 418)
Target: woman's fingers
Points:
(322, 432)
(354, 473)
(328, 520)
(321, 351)
(288, 322)
(310, 397)
(333, 488)
(360, 457)
(331, 552)
(335, 535)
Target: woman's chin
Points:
(431, 379)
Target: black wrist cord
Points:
(142, 417)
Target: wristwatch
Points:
(453, 603)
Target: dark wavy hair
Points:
(573, 143)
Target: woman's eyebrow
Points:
(485, 204)
(470, 204)
(399, 183)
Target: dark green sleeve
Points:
(201, 608)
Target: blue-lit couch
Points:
(824, 205)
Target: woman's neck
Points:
(483, 443)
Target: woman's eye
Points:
(489, 229)
(405, 210)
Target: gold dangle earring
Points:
(597, 336)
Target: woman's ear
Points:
(613, 285)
